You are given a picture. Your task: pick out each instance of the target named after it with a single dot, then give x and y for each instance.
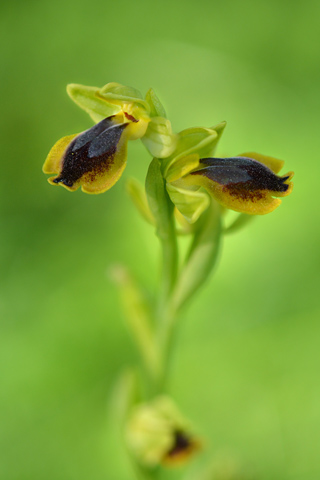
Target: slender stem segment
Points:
(201, 259)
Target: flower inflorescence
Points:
(95, 159)
(187, 190)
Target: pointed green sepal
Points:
(89, 99)
(159, 139)
(156, 107)
(121, 94)
(191, 203)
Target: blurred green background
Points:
(246, 368)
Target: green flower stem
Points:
(162, 210)
(165, 342)
(169, 272)
(164, 313)
(201, 259)
(176, 288)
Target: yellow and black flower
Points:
(247, 183)
(96, 158)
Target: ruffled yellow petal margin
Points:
(53, 160)
(247, 183)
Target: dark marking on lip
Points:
(242, 177)
(92, 152)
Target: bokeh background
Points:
(247, 363)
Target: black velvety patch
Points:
(241, 175)
(182, 443)
(92, 151)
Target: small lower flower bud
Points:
(156, 433)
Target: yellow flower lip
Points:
(93, 159)
(90, 152)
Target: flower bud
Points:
(156, 434)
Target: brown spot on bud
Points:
(183, 447)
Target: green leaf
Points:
(202, 256)
(89, 100)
